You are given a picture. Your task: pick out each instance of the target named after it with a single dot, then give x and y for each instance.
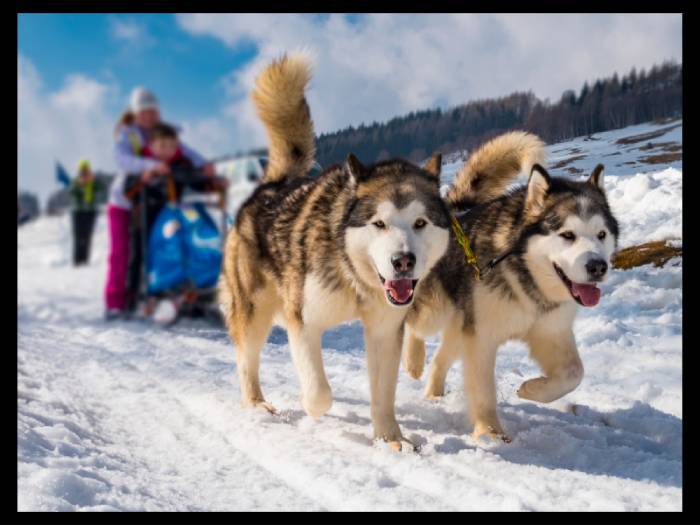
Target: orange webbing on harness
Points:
(134, 190)
(172, 192)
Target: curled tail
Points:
(490, 169)
(280, 103)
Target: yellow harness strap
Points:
(463, 240)
(135, 142)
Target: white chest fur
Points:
(325, 307)
(499, 318)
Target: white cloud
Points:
(391, 64)
(64, 125)
(126, 30)
(77, 120)
(80, 94)
(211, 136)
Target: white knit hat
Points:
(141, 99)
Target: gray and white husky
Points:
(310, 253)
(542, 249)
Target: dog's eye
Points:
(601, 235)
(379, 224)
(420, 223)
(568, 235)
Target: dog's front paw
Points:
(260, 405)
(401, 445)
(491, 431)
(389, 432)
(542, 390)
(317, 402)
(531, 389)
(415, 368)
(434, 391)
(556, 385)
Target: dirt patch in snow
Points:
(564, 162)
(662, 158)
(656, 252)
(665, 146)
(633, 139)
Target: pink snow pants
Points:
(115, 290)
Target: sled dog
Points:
(310, 253)
(541, 249)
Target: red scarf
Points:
(146, 152)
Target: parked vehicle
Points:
(243, 174)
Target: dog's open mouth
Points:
(399, 291)
(584, 294)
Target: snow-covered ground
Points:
(123, 416)
(623, 151)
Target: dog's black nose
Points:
(596, 267)
(403, 262)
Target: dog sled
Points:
(181, 252)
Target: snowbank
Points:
(121, 416)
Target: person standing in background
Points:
(82, 191)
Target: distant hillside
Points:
(608, 103)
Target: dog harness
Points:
(463, 241)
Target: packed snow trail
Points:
(126, 416)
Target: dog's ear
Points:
(537, 189)
(355, 168)
(434, 165)
(596, 178)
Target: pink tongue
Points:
(400, 289)
(588, 293)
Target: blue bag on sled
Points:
(202, 245)
(184, 245)
(166, 254)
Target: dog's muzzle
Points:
(585, 294)
(399, 292)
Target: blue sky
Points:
(175, 64)
(75, 71)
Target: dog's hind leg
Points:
(248, 304)
(553, 346)
(413, 353)
(249, 324)
(305, 344)
(447, 353)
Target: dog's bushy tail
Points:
(489, 170)
(281, 105)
